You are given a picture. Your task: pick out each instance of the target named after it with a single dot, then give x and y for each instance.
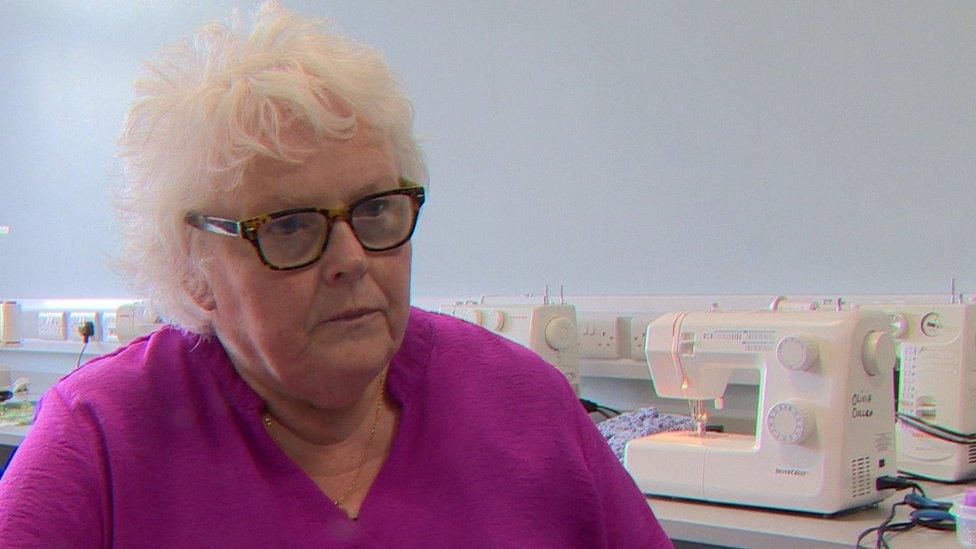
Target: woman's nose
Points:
(344, 258)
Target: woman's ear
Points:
(199, 291)
(195, 282)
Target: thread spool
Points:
(9, 323)
(964, 512)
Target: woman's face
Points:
(317, 334)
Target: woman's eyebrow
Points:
(379, 184)
(373, 186)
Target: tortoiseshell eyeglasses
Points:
(292, 239)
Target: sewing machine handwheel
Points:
(560, 333)
(878, 353)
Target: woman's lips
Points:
(353, 315)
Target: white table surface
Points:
(733, 526)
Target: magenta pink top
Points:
(161, 444)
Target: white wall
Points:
(614, 147)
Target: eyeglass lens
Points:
(380, 223)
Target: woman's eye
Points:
(287, 226)
(373, 208)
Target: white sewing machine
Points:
(825, 411)
(135, 319)
(936, 389)
(549, 330)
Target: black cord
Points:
(926, 513)
(885, 482)
(607, 408)
(83, 347)
(915, 476)
(592, 407)
(937, 431)
(881, 528)
(86, 330)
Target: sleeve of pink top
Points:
(627, 518)
(53, 492)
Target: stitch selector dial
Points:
(496, 320)
(791, 421)
(473, 316)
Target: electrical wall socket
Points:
(76, 320)
(50, 325)
(109, 332)
(638, 336)
(603, 336)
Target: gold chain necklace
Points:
(340, 503)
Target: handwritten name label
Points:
(861, 405)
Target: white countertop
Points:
(727, 525)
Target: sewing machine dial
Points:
(560, 333)
(899, 324)
(496, 320)
(790, 422)
(473, 316)
(797, 352)
(932, 324)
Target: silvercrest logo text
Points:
(790, 472)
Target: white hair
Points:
(208, 107)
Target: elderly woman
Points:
(271, 188)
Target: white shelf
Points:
(614, 369)
(13, 436)
(32, 345)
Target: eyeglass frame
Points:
(248, 228)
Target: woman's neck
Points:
(321, 426)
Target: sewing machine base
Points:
(728, 468)
(745, 507)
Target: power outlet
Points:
(638, 336)
(50, 325)
(77, 320)
(109, 332)
(603, 336)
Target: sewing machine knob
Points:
(471, 315)
(899, 324)
(878, 353)
(560, 333)
(796, 352)
(496, 320)
(791, 422)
